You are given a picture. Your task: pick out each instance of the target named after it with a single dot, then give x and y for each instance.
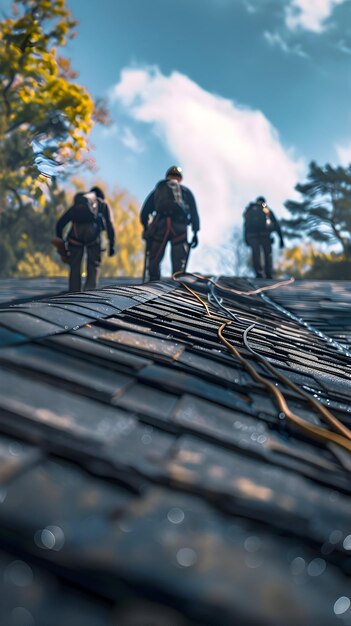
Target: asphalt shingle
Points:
(142, 468)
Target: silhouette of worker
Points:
(89, 216)
(259, 224)
(165, 216)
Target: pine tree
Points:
(324, 214)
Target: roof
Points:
(145, 471)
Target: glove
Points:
(281, 245)
(194, 241)
(111, 250)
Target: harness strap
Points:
(75, 241)
(175, 239)
(179, 238)
(165, 237)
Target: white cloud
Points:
(249, 7)
(343, 47)
(229, 153)
(125, 135)
(344, 154)
(309, 14)
(109, 131)
(130, 140)
(275, 39)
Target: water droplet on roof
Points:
(341, 605)
(176, 515)
(21, 617)
(19, 574)
(347, 543)
(186, 557)
(50, 538)
(297, 565)
(335, 536)
(15, 448)
(252, 544)
(316, 567)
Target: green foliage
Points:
(307, 262)
(324, 214)
(330, 267)
(7, 258)
(37, 264)
(45, 120)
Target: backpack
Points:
(257, 219)
(85, 208)
(86, 219)
(168, 200)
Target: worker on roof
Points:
(259, 224)
(89, 215)
(165, 216)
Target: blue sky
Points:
(241, 93)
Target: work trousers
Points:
(261, 246)
(93, 260)
(163, 232)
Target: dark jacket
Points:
(260, 223)
(105, 221)
(148, 208)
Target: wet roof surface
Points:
(23, 289)
(323, 304)
(144, 472)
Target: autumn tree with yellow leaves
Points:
(45, 120)
(307, 261)
(297, 260)
(129, 257)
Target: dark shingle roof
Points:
(144, 470)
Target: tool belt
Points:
(162, 229)
(84, 234)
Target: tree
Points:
(45, 119)
(324, 214)
(308, 262)
(297, 261)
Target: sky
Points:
(242, 94)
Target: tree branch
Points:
(25, 43)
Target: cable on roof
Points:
(252, 292)
(323, 410)
(322, 435)
(315, 432)
(327, 416)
